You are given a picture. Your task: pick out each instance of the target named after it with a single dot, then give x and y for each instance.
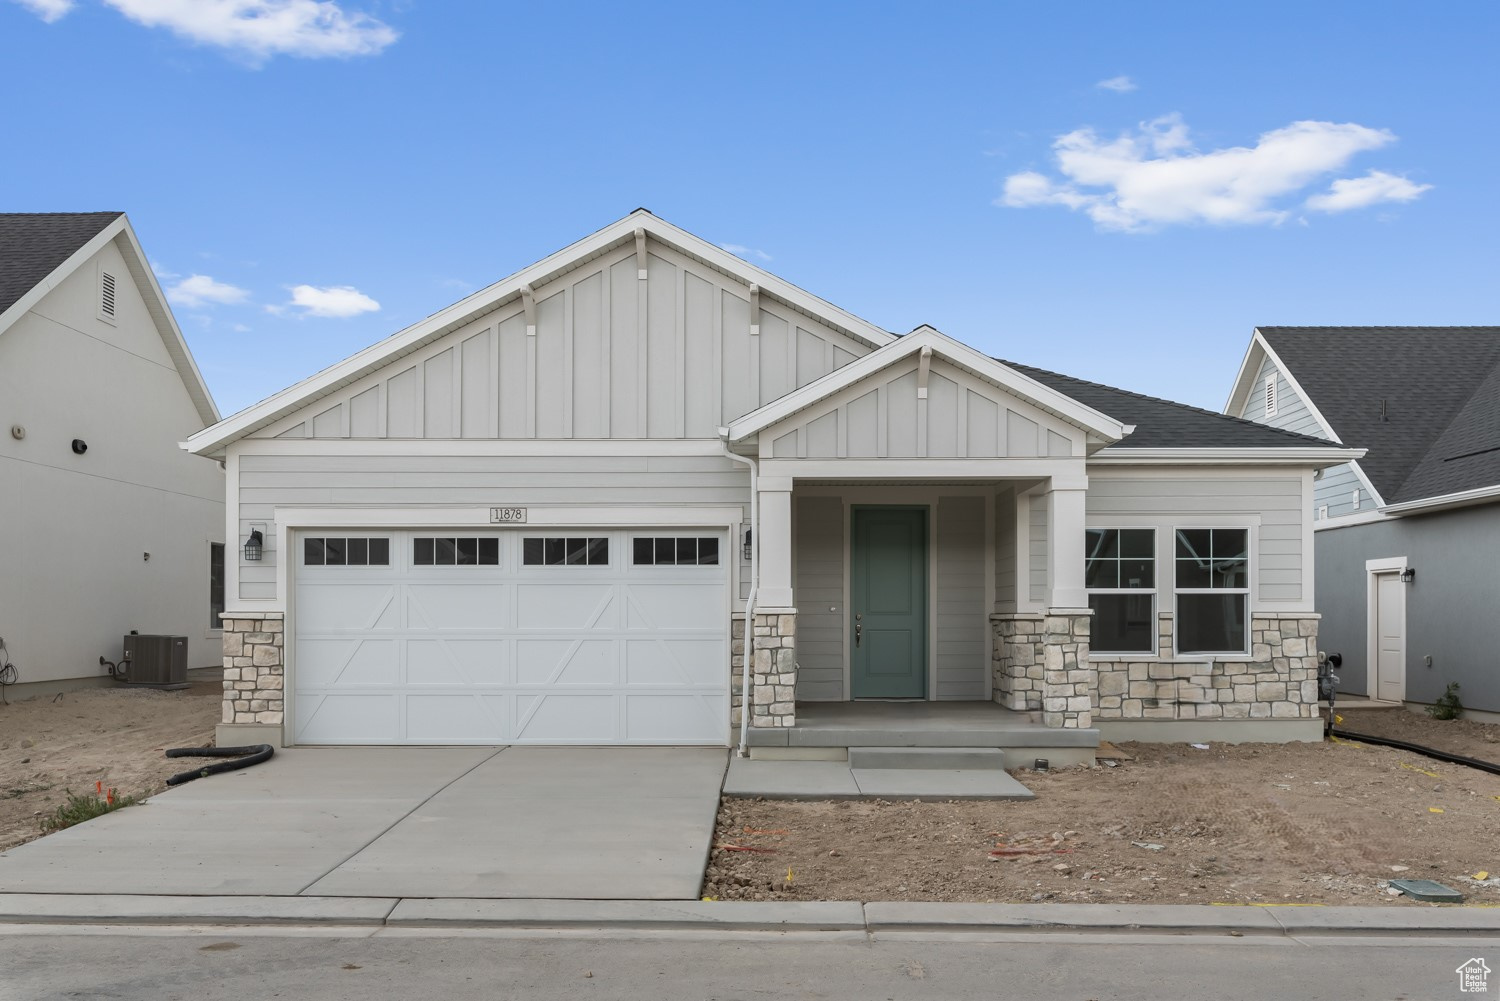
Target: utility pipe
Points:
(745, 689)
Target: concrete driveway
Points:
(579, 823)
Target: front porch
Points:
(828, 730)
(903, 750)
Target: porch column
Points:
(1065, 531)
(773, 538)
(1070, 687)
(774, 672)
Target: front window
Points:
(1213, 590)
(1120, 574)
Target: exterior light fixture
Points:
(1408, 576)
(748, 550)
(253, 546)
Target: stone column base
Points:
(773, 675)
(254, 671)
(1070, 682)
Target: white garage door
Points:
(511, 637)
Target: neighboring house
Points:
(1408, 536)
(538, 516)
(106, 525)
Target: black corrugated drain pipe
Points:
(243, 757)
(1430, 752)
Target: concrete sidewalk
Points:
(564, 822)
(873, 919)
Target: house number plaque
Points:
(507, 516)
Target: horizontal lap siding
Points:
(1276, 500)
(962, 619)
(268, 482)
(1291, 410)
(819, 554)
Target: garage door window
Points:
(554, 551)
(327, 551)
(676, 552)
(456, 552)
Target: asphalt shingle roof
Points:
(1165, 424)
(1424, 401)
(33, 244)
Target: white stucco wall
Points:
(74, 528)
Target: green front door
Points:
(888, 591)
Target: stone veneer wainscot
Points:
(254, 669)
(773, 676)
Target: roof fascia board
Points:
(1239, 390)
(166, 325)
(1259, 456)
(60, 273)
(1291, 379)
(486, 300)
(1359, 472)
(950, 350)
(1443, 502)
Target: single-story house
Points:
(1407, 536)
(106, 526)
(572, 507)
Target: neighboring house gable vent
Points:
(1271, 395)
(106, 295)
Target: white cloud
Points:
(261, 29)
(198, 291)
(335, 300)
(1153, 176)
(739, 250)
(47, 10)
(1361, 192)
(1118, 84)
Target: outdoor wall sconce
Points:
(253, 546)
(1408, 575)
(748, 550)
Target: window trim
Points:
(1154, 591)
(455, 537)
(635, 538)
(1247, 590)
(344, 535)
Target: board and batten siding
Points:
(963, 626)
(612, 356)
(1272, 501)
(820, 540)
(267, 482)
(883, 416)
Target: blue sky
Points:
(1117, 191)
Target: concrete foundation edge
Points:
(242, 734)
(1224, 731)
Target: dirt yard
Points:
(1249, 824)
(52, 744)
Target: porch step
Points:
(928, 758)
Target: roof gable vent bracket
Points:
(528, 305)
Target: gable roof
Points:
(35, 244)
(1423, 401)
(1165, 424)
(38, 250)
(618, 233)
(1102, 428)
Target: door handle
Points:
(858, 630)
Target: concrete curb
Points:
(119, 908)
(875, 918)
